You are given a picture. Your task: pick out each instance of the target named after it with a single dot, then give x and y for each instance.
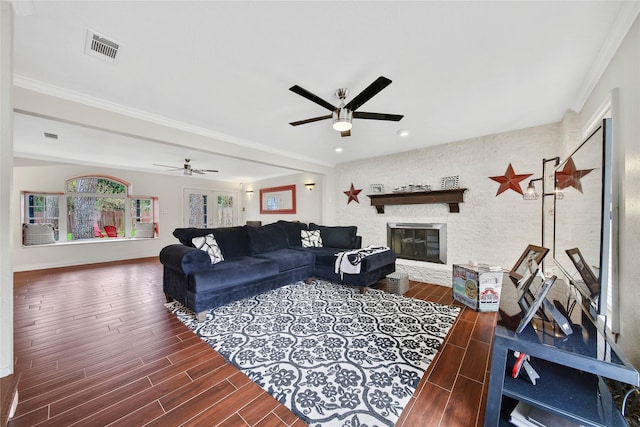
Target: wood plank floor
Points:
(95, 346)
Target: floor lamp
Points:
(532, 194)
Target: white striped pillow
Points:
(209, 245)
(311, 238)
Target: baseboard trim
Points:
(35, 267)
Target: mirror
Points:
(278, 200)
(582, 248)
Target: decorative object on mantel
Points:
(569, 176)
(510, 180)
(352, 194)
(377, 188)
(410, 188)
(450, 182)
(451, 197)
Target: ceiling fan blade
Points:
(167, 166)
(315, 119)
(198, 171)
(311, 97)
(371, 90)
(345, 133)
(377, 116)
(210, 170)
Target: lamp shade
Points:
(531, 193)
(342, 119)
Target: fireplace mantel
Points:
(451, 197)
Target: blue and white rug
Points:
(332, 355)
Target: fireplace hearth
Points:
(418, 241)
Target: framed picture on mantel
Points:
(377, 188)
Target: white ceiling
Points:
(459, 70)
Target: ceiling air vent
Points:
(101, 47)
(50, 135)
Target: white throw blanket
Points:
(348, 262)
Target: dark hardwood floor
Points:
(95, 346)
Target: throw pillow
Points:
(310, 238)
(337, 236)
(267, 238)
(209, 245)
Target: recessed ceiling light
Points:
(403, 132)
(338, 149)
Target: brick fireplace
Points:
(418, 241)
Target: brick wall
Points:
(488, 229)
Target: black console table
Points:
(570, 368)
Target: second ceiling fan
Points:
(343, 114)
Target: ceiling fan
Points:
(343, 114)
(186, 168)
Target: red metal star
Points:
(569, 176)
(352, 193)
(510, 181)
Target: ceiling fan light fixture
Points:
(342, 119)
(187, 172)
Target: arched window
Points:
(95, 204)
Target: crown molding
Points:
(81, 98)
(627, 14)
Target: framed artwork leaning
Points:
(528, 262)
(590, 279)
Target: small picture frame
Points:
(450, 182)
(528, 262)
(377, 188)
(531, 306)
(590, 279)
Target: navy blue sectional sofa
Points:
(258, 259)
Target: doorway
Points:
(209, 208)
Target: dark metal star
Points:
(569, 176)
(352, 193)
(510, 181)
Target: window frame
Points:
(129, 217)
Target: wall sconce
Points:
(249, 193)
(310, 185)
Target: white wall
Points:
(488, 229)
(6, 162)
(308, 203)
(623, 73)
(167, 188)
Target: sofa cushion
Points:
(186, 235)
(288, 259)
(233, 241)
(336, 237)
(324, 256)
(292, 229)
(267, 238)
(310, 238)
(210, 246)
(232, 272)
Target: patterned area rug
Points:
(332, 355)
